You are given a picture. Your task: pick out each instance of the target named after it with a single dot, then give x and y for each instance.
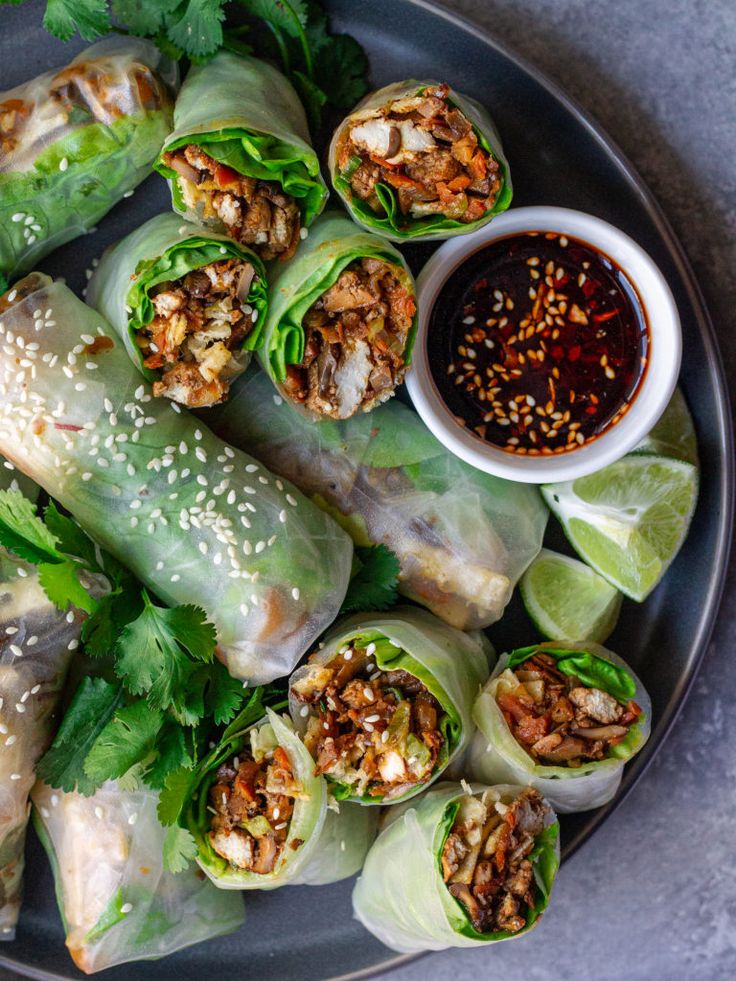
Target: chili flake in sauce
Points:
(541, 343)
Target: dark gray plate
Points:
(558, 156)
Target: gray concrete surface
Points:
(653, 896)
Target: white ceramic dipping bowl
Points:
(655, 390)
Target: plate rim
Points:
(725, 446)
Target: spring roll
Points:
(342, 321)
(117, 902)
(385, 703)
(188, 304)
(419, 161)
(38, 644)
(463, 537)
(240, 157)
(460, 867)
(563, 718)
(258, 813)
(73, 142)
(195, 520)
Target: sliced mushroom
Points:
(244, 282)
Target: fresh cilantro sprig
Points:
(375, 580)
(177, 809)
(323, 67)
(169, 690)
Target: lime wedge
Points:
(629, 519)
(674, 434)
(567, 600)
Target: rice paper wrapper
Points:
(401, 897)
(347, 834)
(38, 645)
(494, 754)
(463, 537)
(227, 106)
(306, 823)
(196, 521)
(420, 229)
(117, 902)
(332, 244)
(450, 663)
(80, 138)
(165, 248)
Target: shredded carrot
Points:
(477, 166)
(401, 180)
(459, 183)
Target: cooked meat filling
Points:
(197, 332)
(255, 212)
(427, 151)
(355, 338)
(376, 731)
(556, 719)
(252, 805)
(485, 860)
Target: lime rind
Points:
(629, 520)
(567, 600)
(674, 434)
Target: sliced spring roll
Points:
(385, 704)
(38, 644)
(563, 718)
(195, 520)
(463, 537)
(461, 867)
(240, 156)
(258, 813)
(73, 142)
(116, 900)
(420, 161)
(188, 303)
(342, 321)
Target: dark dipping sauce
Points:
(539, 343)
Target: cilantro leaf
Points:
(60, 582)
(23, 532)
(126, 739)
(177, 788)
(224, 695)
(374, 585)
(64, 17)
(180, 849)
(172, 754)
(152, 654)
(197, 29)
(92, 707)
(114, 610)
(143, 17)
(70, 538)
(341, 70)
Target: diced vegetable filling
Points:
(556, 718)
(252, 804)
(196, 336)
(355, 337)
(377, 732)
(427, 151)
(485, 858)
(255, 212)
